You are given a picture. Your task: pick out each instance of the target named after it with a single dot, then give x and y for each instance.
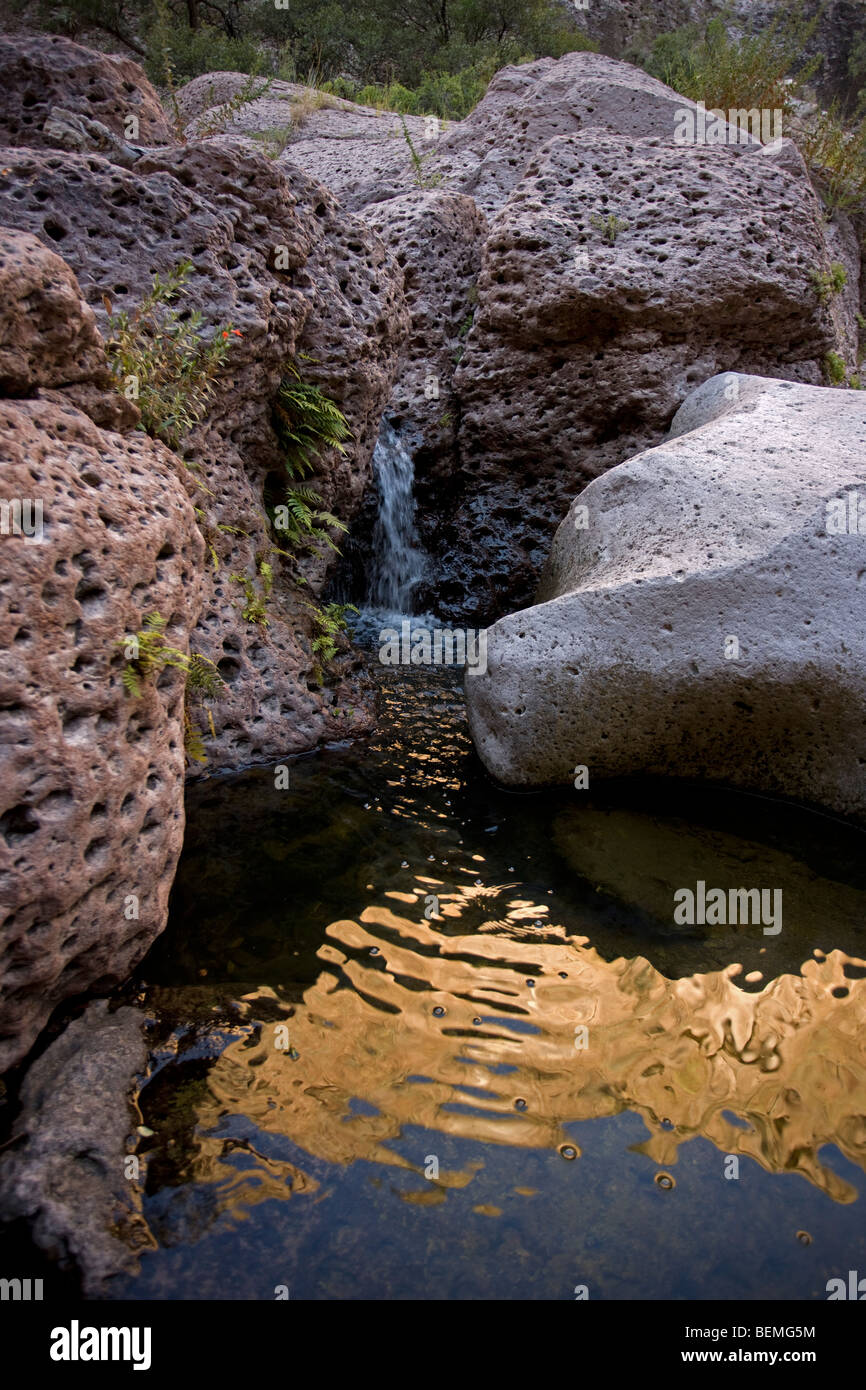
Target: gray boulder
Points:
(66, 1172)
(701, 614)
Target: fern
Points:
(328, 623)
(306, 422)
(147, 654)
(160, 360)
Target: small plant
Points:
(215, 122)
(255, 605)
(275, 140)
(161, 361)
(306, 422)
(610, 226)
(418, 161)
(166, 66)
(837, 155)
(829, 282)
(835, 368)
(147, 654)
(328, 622)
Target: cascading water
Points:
(397, 563)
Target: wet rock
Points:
(66, 1177)
(40, 71)
(437, 239)
(702, 617)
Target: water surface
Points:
(420, 1037)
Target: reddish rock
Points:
(91, 803)
(44, 70)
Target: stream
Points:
(417, 1036)
(424, 1126)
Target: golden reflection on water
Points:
(454, 976)
(688, 1055)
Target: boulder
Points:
(701, 615)
(97, 533)
(360, 153)
(589, 332)
(525, 107)
(65, 1172)
(39, 71)
(274, 256)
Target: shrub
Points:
(837, 155)
(193, 52)
(161, 361)
(731, 73)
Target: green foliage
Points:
(835, 369)
(275, 140)
(301, 521)
(610, 226)
(116, 18)
(192, 52)
(306, 422)
(255, 605)
(730, 73)
(837, 155)
(430, 56)
(148, 654)
(829, 282)
(160, 360)
(329, 622)
(768, 71)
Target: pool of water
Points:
(416, 1036)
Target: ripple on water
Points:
(298, 910)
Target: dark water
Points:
(419, 1037)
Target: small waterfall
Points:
(397, 563)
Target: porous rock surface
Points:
(360, 153)
(92, 790)
(585, 341)
(65, 1171)
(45, 70)
(706, 622)
(618, 269)
(275, 257)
